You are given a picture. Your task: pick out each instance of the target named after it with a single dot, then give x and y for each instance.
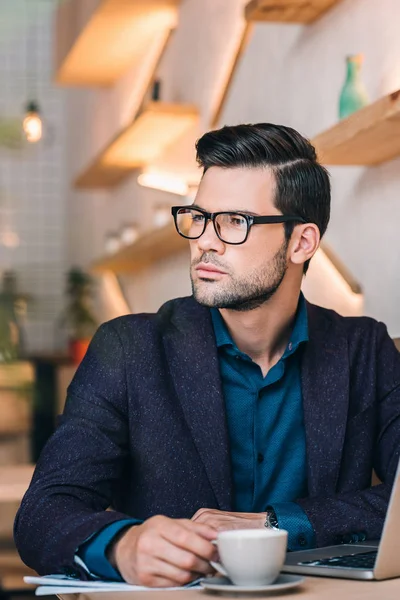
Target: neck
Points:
(263, 333)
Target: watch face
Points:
(271, 520)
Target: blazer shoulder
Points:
(351, 327)
(141, 322)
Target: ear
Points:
(304, 243)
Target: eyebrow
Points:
(232, 210)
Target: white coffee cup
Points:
(251, 557)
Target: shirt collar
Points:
(299, 333)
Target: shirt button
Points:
(301, 540)
(260, 457)
(290, 345)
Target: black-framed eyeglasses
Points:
(230, 227)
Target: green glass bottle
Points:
(353, 95)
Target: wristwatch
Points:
(271, 521)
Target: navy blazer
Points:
(144, 431)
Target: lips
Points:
(211, 269)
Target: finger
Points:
(156, 569)
(200, 512)
(203, 517)
(202, 529)
(229, 525)
(210, 518)
(150, 580)
(152, 572)
(184, 576)
(214, 552)
(181, 559)
(203, 513)
(192, 537)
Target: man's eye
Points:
(237, 220)
(198, 218)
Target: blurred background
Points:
(101, 102)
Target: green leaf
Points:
(11, 133)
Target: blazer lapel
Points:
(325, 387)
(192, 357)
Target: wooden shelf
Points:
(370, 136)
(287, 11)
(97, 41)
(154, 129)
(149, 248)
(341, 268)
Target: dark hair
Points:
(302, 184)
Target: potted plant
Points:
(78, 316)
(12, 309)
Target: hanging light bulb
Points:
(32, 123)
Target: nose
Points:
(209, 241)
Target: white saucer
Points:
(223, 584)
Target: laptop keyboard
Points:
(364, 560)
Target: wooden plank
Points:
(156, 127)
(16, 412)
(341, 269)
(287, 11)
(149, 248)
(313, 588)
(16, 375)
(369, 136)
(97, 41)
(14, 481)
(13, 571)
(230, 73)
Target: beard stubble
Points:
(248, 293)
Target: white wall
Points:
(33, 178)
(289, 74)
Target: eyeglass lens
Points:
(231, 227)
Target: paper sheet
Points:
(62, 584)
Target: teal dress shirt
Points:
(266, 429)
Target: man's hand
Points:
(221, 520)
(164, 552)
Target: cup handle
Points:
(216, 565)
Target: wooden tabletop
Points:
(14, 481)
(313, 588)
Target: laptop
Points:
(366, 560)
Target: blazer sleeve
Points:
(359, 515)
(81, 465)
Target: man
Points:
(244, 406)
